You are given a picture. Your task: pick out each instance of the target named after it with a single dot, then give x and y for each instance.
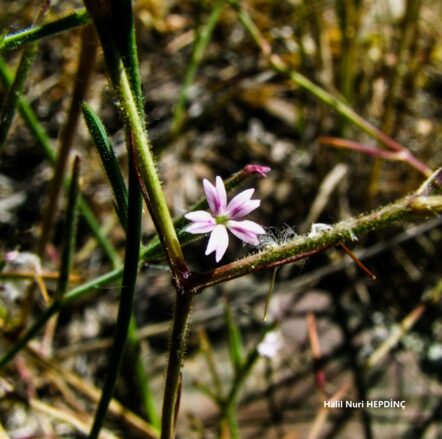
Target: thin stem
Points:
(16, 89)
(399, 212)
(182, 310)
(30, 333)
(404, 156)
(305, 246)
(67, 136)
(71, 296)
(69, 21)
(126, 299)
(395, 87)
(358, 262)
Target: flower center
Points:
(222, 219)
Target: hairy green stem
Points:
(401, 211)
(150, 181)
(120, 53)
(307, 245)
(124, 75)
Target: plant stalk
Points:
(177, 347)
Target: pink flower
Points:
(225, 217)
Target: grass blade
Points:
(109, 160)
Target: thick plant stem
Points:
(232, 421)
(151, 185)
(120, 53)
(126, 299)
(177, 347)
(307, 245)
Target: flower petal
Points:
(199, 216)
(241, 205)
(246, 230)
(200, 228)
(203, 222)
(216, 196)
(257, 169)
(218, 242)
(222, 195)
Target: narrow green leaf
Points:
(236, 347)
(270, 293)
(11, 101)
(207, 351)
(109, 160)
(70, 230)
(127, 292)
(69, 21)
